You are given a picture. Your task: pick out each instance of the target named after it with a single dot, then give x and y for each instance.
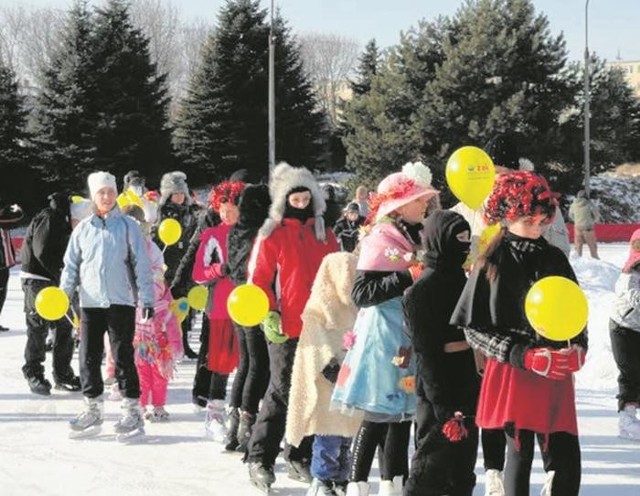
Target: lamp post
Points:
(587, 96)
(272, 97)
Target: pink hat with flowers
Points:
(400, 188)
(634, 252)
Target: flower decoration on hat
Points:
(226, 192)
(520, 194)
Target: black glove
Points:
(224, 268)
(331, 370)
(147, 313)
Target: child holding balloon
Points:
(211, 267)
(527, 386)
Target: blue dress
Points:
(378, 372)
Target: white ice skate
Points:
(88, 423)
(158, 414)
(493, 483)
(216, 422)
(628, 423)
(131, 424)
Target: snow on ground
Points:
(37, 458)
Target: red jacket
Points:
(207, 268)
(287, 261)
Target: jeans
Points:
(331, 458)
(37, 329)
(252, 376)
(119, 322)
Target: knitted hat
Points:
(520, 194)
(99, 180)
(634, 252)
(400, 188)
(284, 179)
(174, 182)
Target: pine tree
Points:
(223, 123)
(130, 103)
(63, 125)
(367, 69)
(16, 182)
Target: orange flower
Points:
(408, 384)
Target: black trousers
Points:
(4, 285)
(625, 344)
(252, 377)
(37, 329)
(268, 430)
(439, 466)
(562, 455)
(119, 322)
(494, 444)
(202, 380)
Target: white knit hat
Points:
(99, 180)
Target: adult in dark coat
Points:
(42, 261)
(446, 378)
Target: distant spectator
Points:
(362, 199)
(333, 213)
(10, 215)
(584, 215)
(347, 229)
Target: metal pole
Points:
(587, 97)
(272, 97)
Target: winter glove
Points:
(576, 356)
(416, 271)
(547, 362)
(330, 372)
(147, 314)
(271, 327)
(454, 429)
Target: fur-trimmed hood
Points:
(284, 178)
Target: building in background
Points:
(631, 69)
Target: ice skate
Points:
(216, 422)
(320, 487)
(39, 385)
(261, 476)
(391, 487)
(158, 414)
(299, 470)
(131, 424)
(244, 430)
(70, 382)
(115, 394)
(493, 485)
(89, 422)
(357, 489)
(628, 423)
(231, 440)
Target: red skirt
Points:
(223, 347)
(529, 401)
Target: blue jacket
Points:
(103, 257)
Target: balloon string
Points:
(69, 319)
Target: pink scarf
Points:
(386, 249)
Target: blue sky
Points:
(614, 25)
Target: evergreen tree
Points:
(63, 125)
(223, 122)
(17, 178)
(367, 69)
(130, 103)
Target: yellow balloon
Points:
(77, 199)
(197, 297)
(51, 303)
(556, 308)
(470, 175)
(248, 305)
(486, 236)
(169, 231)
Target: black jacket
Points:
(254, 209)
(46, 239)
(448, 380)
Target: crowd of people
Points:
(386, 318)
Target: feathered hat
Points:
(225, 192)
(285, 178)
(520, 194)
(634, 252)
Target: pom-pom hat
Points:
(98, 180)
(400, 188)
(520, 194)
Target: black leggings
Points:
(394, 438)
(494, 443)
(562, 455)
(625, 344)
(252, 374)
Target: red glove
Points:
(547, 362)
(576, 356)
(454, 429)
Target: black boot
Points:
(244, 430)
(39, 385)
(68, 382)
(299, 470)
(231, 441)
(261, 476)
